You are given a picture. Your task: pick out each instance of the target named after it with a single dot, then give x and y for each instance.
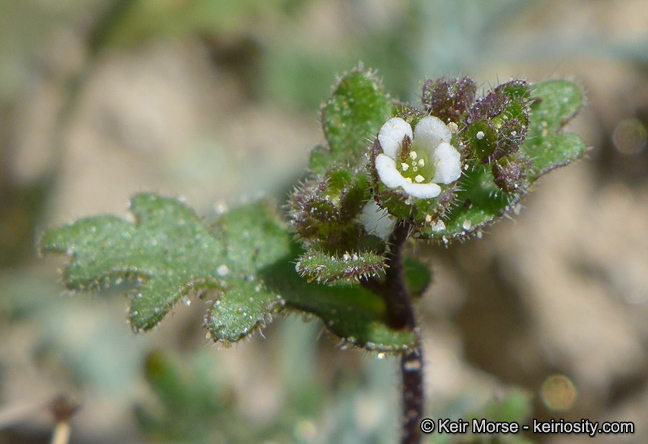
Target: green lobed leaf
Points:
(247, 260)
(480, 201)
(352, 116)
(240, 310)
(349, 311)
(254, 237)
(168, 249)
(557, 101)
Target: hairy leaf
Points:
(352, 117)
(246, 259)
(167, 248)
(253, 237)
(479, 200)
(349, 311)
(557, 101)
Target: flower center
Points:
(413, 163)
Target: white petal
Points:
(422, 190)
(376, 220)
(391, 135)
(432, 131)
(389, 175)
(447, 163)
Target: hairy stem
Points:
(400, 314)
(412, 395)
(399, 303)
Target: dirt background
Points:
(221, 103)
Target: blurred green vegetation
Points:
(195, 401)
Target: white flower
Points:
(417, 167)
(377, 221)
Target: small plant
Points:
(390, 172)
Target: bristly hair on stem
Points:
(401, 315)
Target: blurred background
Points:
(218, 100)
